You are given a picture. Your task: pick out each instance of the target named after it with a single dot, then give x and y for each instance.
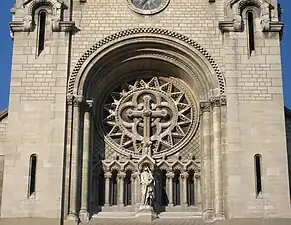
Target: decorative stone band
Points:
(57, 26)
(216, 101)
(78, 101)
(133, 166)
(235, 26)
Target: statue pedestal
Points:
(146, 214)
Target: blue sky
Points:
(6, 48)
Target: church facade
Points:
(134, 111)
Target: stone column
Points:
(216, 126)
(170, 176)
(197, 185)
(207, 206)
(137, 190)
(84, 214)
(74, 158)
(69, 125)
(107, 177)
(121, 177)
(184, 177)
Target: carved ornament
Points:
(28, 22)
(235, 24)
(153, 116)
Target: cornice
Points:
(3, 114)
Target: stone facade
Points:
(3, 131)
(224, 68)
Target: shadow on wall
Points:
(288, 136)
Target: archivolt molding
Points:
(153, 31)
(31, 5)
(175, 59)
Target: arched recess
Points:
(168, 49)
(126, 55)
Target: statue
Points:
(147, 186)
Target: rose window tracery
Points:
(153, 116)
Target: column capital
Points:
(70, 99)
(107, 175)
(184, 175)
(204, 106)
(134, 175)
(217, 101)
(78, 100)
(197, 176)
(121, 175)
(88, 104)
(170, 175)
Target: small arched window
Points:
(251, 32)
(258, 174)
(41, 31)
(32, 175)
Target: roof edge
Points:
(3, 114)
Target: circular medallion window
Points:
(147, 7)
(156, 115)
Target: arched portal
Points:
(147, 98)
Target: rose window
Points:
(153, 116)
